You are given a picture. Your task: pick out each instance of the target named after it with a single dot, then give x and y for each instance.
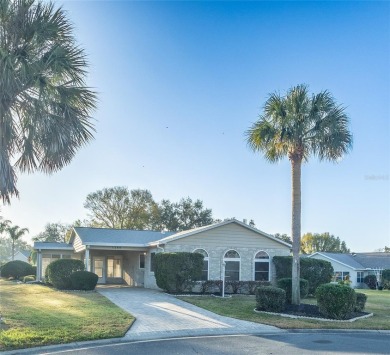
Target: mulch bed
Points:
(309, 310)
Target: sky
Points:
(180, 82)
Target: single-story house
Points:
(356, 265)
(22, 255)
(127, 256)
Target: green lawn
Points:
(241, 307)
(35, 315)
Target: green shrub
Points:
(16, 269)
(176, 272)
(361, 299)
(59, 271)
(211, 286)
(335, 301)
(386, 279)
(83, 280)
(252, 285)
(28, 278)
(270, 299)
(286, 284)
(316, 272)
(370, 281)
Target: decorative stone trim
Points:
(315, 318)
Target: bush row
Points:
(286, 285)
(334, 301)
(233, 287)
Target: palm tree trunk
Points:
(296, 228)
(13, 249)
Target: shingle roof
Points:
(50, 245)
(361, 261)
(26, 253)
(373, 260)
(118, 236)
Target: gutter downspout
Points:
(158, 247)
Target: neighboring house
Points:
(22, 255)
(127, 256)
(356, 265)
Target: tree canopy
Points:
(312, 243)
(53, 232)
(45, 106)
(121, 208)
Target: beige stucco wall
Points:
(217, 242)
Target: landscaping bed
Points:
(241, 307)
(312, 311)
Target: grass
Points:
(241, 307)
(35, 315)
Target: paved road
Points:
(283, 343)
(160, 315)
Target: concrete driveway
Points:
(160, 315)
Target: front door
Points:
(99, 268)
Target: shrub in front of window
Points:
(59, 271)
(83, 280)
(286, 284)
(316, 272)
(177, 272)
(370, 281)
(270, 299)
(335, 301)
(361, 299)
(17, 269)
(252, 285)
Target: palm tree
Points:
(297, 126)
(45, 106)
(15, 233)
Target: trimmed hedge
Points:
(361, 299)
(270, 299)
(176, 272)
(83, 280)
(59, 271)
(242, 287)
(386, 279)
(316, 272)
(335, 301)
(17, 269)
(286, 284)
(370, 281)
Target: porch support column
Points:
(87, 261)
(39, 265)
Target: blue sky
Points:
(180, 82)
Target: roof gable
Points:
(198, 230)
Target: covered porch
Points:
(116, 266)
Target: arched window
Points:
(205, 270)
(261, 266)
(232, 265)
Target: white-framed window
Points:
(114, 266)
(205, 269)
(261, 266)
(142, 260)
(360, 277)
(232, 265)
(152, 265)
(340, 275)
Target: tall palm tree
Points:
(15, 233)
(45, 106)
(298, 126)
